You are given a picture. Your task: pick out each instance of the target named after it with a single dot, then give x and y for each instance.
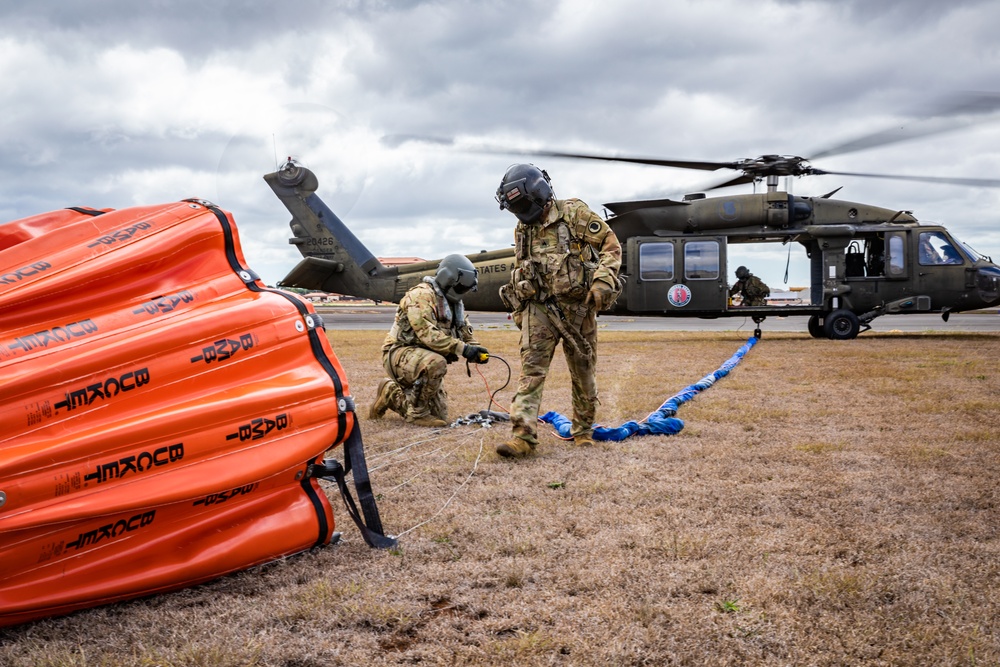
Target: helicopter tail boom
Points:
(334, 259)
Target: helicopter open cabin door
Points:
(676, 273)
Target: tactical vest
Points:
(451, 320)
(555, 260)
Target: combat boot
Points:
(515, 448)
(583, 439)
(425, 406)
(428, 420)
(381, 404)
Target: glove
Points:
(476, 354)
(600, 295)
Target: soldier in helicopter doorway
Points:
(751, 289)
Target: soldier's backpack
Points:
(756, 289)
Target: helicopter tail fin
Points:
(334, 260)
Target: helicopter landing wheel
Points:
(842, 324)
(816, 328)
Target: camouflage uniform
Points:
(752, 289)
(428, 334)
(557, 260)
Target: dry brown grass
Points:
(828, 503)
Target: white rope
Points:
(405, 483)
(436, 434)
(448, 502)
(420, 456)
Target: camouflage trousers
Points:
(539, 337)
(418, 378)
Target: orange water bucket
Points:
(165, 415)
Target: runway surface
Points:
(361, 317)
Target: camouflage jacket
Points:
(564, 253)
(425, 318)
(752, 288)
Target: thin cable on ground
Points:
(492, 395)
(434, 436)
(402, 484)
(420, 474)
(423, 454)
(437, 434)
(453, 495)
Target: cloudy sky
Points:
(112, 104)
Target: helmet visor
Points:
(466, 281)
(524, 202)
(516, 201)
(524, 208)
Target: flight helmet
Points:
(742, 272)
(455, 276)
(524, 191)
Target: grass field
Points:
(827, 503)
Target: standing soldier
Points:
(751, 288)
(430, 332)
(566, 269)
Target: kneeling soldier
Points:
(430, 332)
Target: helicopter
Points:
(865, 261)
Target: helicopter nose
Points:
(988, 285)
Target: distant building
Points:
(791, 296)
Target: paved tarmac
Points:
(363, 317)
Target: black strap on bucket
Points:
(354, 459)
(354, 453)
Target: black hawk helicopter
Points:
(865, 261)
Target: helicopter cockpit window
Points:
(701, 260)
(935, 248)
(656, 261)
(972, 253)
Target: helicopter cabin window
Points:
(701, 260)
(935, 249)
(656, 261)
(897, 255)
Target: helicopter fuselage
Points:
(865, 261)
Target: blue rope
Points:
(662, 421)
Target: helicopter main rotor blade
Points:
(959, 112)
(396, 140)
(973, 182)
(968, 109)
(724, 181)
(656, 162)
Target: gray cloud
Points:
(115, 104)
